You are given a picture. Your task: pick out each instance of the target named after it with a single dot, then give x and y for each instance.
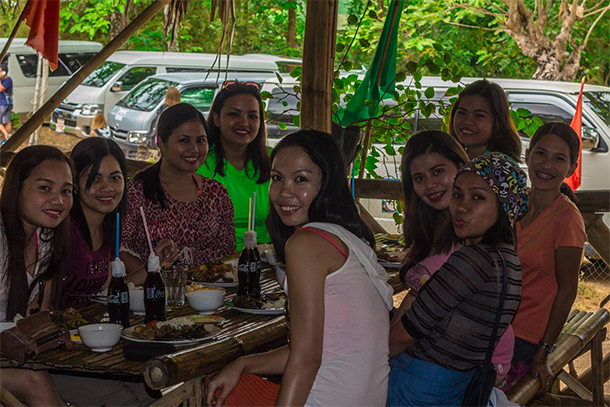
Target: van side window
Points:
(135, 76)
(201, 98)
(546, 112)
(67, 63)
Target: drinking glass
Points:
(174, 279)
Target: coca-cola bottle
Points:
(243, 268)
(118, 295)
(154, 292)
(255, 272)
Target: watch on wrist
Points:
(549, 347)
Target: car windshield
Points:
(100, 76)
(146, 95)
(600, 103)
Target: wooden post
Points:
(47, 109)
(11, 37)
(318, 64)
(365, 147)
(597, 378)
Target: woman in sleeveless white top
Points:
(339, 295)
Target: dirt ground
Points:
(590, 293)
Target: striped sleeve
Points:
(460, 277)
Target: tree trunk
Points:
(117, 23)
(551, 68)
(291, 36)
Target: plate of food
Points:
(72, 318)
(390, 257)
(176, 331)
(215, 274)
(267, 304)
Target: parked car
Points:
(132, 120)
(122, 71)
(550, 101)
(23, 64)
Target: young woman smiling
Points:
(480, 120)
(550, 242)
(238, 157)
(339, 296)
(100, 169)
(35, 203)
(445, 334)
(190, 218)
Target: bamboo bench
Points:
(583, 332)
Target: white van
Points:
(23, 62)
(125, 69)
(550, 101)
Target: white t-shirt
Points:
(44, 249)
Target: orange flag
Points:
(42, 16)
(574, 180)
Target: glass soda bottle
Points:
(243, 268)
(255, 273)
(118, 295)
(154, 292)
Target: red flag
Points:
(42, 16)
(574, 180)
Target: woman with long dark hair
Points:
(480, 120)
(34, 235)
(100, 195)
(190, 217)
(339, 296)
(550, 242)
(238, 156)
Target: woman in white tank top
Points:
(339, 296)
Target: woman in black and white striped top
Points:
(446, 332)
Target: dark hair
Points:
(426, 230)
(172, 118)
(89, 153)
(570, 137)
(504, 138)
(4, 67)
(334, 202)
(257, 149)
(19, 169)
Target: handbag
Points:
(480, 387)
(33, 335)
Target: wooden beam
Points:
(597, 378)
(318, 64)
(378, 189)
(23, 133)
(574, 385)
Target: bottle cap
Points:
(118, 268)
(153, 263)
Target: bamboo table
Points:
(241, 334)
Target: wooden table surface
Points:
(241, 331)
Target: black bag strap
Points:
(494, 332)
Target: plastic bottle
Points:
(118, 295)
(154, 292)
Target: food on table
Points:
(390, 254)
(214, 272)
(197, 287)
(265, 301)
(71, 317)
(176, 329)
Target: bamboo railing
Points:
(583, 328)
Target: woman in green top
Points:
(238, 156)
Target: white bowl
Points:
(100, 337)
(206, 302)
(136, 302)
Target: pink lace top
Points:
(204, 226)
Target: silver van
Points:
(132, 119)
(123, 70)
(23, 63)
